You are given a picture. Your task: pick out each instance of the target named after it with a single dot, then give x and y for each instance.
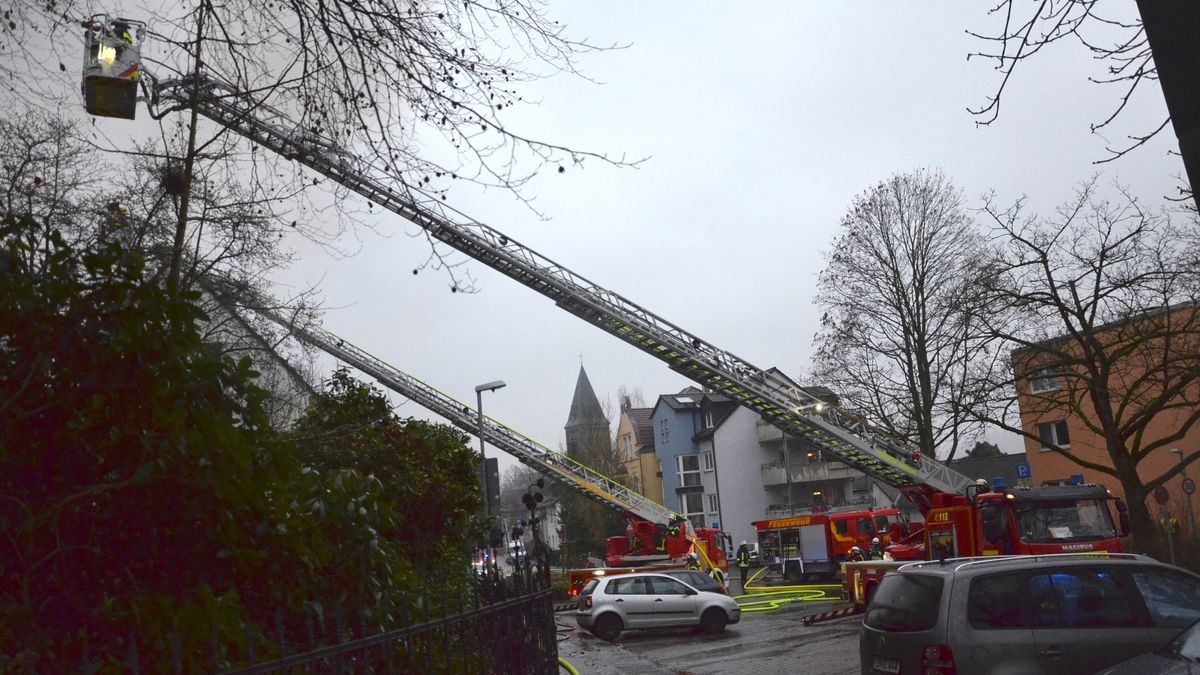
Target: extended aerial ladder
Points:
(840, 434)
(554, 465)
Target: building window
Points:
(709, 464)
(1054, 434)
(664, 434)
(687, 470)
(692, 504)
(708, 422)
(712, 504)
(1044, 380)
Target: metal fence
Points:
(507, 626)
(504, 624)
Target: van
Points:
(1061, 614)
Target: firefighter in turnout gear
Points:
(743, 562)
(876, 549)
(856, 554)
(692, 562)
(671, 533)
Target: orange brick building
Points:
(1152, 362)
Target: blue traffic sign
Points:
(1023, 470)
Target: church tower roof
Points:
(587, 425)
(585, 407)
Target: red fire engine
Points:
(648, 547)
(801, 547)
(1015, 521)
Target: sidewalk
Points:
(591, 657)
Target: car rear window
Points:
(589, 587)
(905, 603)
(698, 580)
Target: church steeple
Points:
(587, 423)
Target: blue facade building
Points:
(676, 420)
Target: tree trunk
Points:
(1145, 532)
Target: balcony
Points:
(769, 433)
(773, 472)
(853, 504)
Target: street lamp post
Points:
(1191, 516)
(487, 484)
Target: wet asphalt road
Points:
(762, 643)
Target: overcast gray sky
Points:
(760, 126)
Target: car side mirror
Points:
(692, 591)
(1123, 518)
(972, 491)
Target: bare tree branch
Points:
(1099, 303)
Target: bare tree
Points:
(898, 337)
(1100, 304)
(49, 173)
(1138, 48)
(635, 396)
(421, 90)
(46, 173)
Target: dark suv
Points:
(1070, 613)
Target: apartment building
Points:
(1152, 361)
(635, 445)
(723, 466)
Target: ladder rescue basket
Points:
(112, 60)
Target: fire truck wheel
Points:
(607, 627)
(713, 620)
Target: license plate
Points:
(886, 665)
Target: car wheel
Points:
(713, 620)
(607, 627)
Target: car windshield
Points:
(1054, 521)
(905, 603)
(1185, 646)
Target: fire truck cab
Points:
(1015, 521)
(1018, 521)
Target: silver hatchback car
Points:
(1060, 614)
(610, 605)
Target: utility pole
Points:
(1189, 487)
